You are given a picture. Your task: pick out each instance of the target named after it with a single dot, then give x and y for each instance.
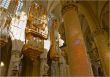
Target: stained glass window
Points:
(19, 7)
(5, 3)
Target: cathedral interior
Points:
(54, 38)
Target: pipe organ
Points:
(35, 32)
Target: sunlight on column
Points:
(61, 42)
(47, 44)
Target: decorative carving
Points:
(36, 32)
(98, 31)
(54, 68)
(68, 5)
(3, 41)
(43, 64)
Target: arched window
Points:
(18, 27)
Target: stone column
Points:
(54, 48)
(28, 67)
(15, 57)
(101, 41)
(104, 53)
(53, 36)
(36, 68)
(78, 60)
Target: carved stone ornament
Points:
(68, 5)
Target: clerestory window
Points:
(5, 3)
(19, 7)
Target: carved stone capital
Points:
(98, 31)
(68, 5)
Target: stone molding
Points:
(98, 31)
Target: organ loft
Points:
(54, 38)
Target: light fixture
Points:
(2, 64)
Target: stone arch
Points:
(98, 33)
(104, 19)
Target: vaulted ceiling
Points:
(98, 10)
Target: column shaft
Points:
(77, 55)
(36, 68)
